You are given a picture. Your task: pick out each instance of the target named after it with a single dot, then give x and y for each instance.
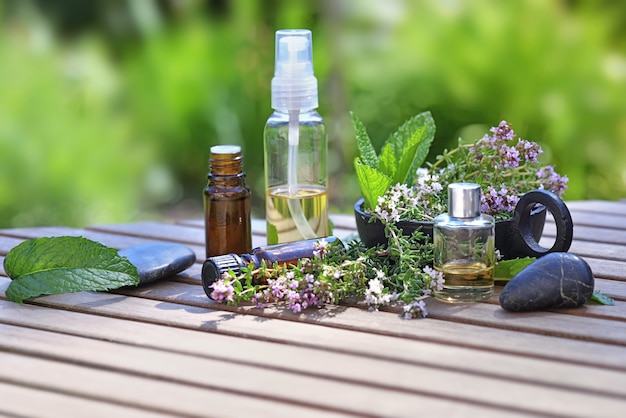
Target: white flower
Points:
(437, 279)
(414, 309)
(374, 295)
(421, 172)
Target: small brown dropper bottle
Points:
(284, 254)
(227, 203)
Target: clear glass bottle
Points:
(296, 147)
(464, 246)
(283, 254)
(227, 203)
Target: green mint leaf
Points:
(388, 164)
(373, 183)
(403, 136)
(54, 265)
(507, 269)
(601, 298)
(409, 153)
(367, 152)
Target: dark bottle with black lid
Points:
(227, 203)
(284, 254)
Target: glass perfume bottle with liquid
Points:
(296, 148)
(464, 249)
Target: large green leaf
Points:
(367, 153)
(373, 183)
(387, 163)
(54, 265)
(408, 155)
(404, 135)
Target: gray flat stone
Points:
(557, 280)
(158, 260)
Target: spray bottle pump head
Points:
(294, 87)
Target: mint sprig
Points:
(54, 265)
(401, 155)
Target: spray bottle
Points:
(296, 147)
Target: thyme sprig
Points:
(396, 273)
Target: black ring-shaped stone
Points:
(562, 218)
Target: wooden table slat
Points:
(598, 206)
(30, 401)
(140, 391)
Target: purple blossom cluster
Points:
(321, 248)
(223, 290)
(503, 131)
(504, 165)
(506, 156)
(551, 180)
(298, 294)
(501, 199)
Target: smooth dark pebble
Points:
(158, 260)
(557, 280)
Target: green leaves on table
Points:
(54, 265)
(601, 299)
(507, 269)
(401, 155)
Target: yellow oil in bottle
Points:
(466, 281)
(281, 226)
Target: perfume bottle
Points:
(464, 247)
(283, 254)
(227, 203)
(295, 146)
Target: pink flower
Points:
(222, 291)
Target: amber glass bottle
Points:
(283, 254)
(227, 203)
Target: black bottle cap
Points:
(214, 267)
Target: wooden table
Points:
(167, 350)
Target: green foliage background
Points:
(108, 108)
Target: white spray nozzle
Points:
(294, 87)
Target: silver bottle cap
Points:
(464, 200)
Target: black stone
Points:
(158, 260)
(557, 280)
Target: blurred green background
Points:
(108, 108)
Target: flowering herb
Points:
(503, 165)
(397, 273)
